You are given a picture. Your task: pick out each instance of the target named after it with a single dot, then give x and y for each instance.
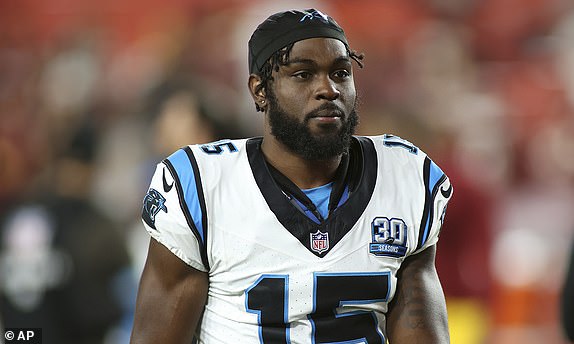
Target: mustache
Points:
(326, 110)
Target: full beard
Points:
(297, 136)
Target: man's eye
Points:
(342, 74)
(302, 75)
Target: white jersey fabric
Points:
(275, 276)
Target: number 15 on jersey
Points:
(268, 298)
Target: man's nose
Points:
(327, 89)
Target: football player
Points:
(307, 234)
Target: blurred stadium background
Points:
(94, 93)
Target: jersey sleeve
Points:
(171, 211)
(437, 192)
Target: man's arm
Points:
(170, 300)
(418, 311)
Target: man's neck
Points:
(306, 174)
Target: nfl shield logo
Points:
(319, 241)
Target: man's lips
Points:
(328, 115)
(326, 119)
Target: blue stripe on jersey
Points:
(436, 175)
(184, 170)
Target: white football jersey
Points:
(276, 276)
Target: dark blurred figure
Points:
(179, 115)
(60, 256)
(568, 299)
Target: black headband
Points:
(284, 28)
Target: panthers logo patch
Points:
(152, 204)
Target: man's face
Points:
(312, 99)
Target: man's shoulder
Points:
(394, 147)
(221, 147)
(214, 152)
(391, 141)
(394, 152)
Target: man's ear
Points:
(257, 91)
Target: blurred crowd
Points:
(94, 94)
